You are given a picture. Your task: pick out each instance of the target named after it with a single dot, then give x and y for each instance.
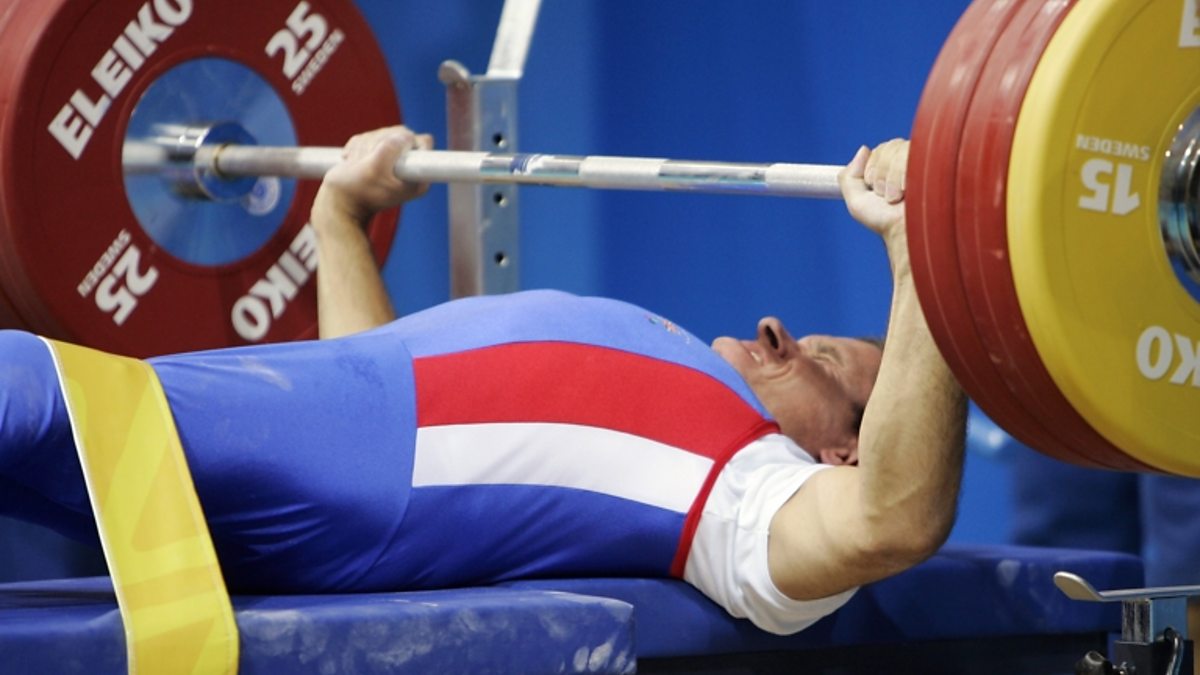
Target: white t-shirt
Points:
(728, 558)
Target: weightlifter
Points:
(539, 434)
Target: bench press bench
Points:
(969, 609)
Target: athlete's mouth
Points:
(751, 348)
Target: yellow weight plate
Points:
(1116, 326)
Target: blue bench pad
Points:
(963, 592)
(575, 625)
(73, 626)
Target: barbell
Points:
(200, 161)
(1053, 236)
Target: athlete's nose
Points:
(774, 336)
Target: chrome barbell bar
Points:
(209, 162)
(619, 173)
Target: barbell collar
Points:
(182, 154)
(1179, 204)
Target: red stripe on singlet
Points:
(571, 383)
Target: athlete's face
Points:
(815, 387)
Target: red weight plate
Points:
(8, 315)
(981, 219)
(929, 197)
(14, 36)
(79, 69)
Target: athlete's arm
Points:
(852, 525)
(351, 296)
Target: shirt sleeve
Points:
(728, 559)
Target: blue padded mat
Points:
(574, 625)
(963, 592)
(72, 626)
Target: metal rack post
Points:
(482, 116)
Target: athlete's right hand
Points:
(364, 183)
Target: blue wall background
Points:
(771, 80)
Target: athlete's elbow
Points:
(899, 545)
(924, 542)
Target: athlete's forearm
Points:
(913, 430)
(351, 295)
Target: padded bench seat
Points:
(982, 609)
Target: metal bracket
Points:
(1150, 620)
(482, 116)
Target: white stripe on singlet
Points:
(560, 455)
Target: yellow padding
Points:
(173, 601)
